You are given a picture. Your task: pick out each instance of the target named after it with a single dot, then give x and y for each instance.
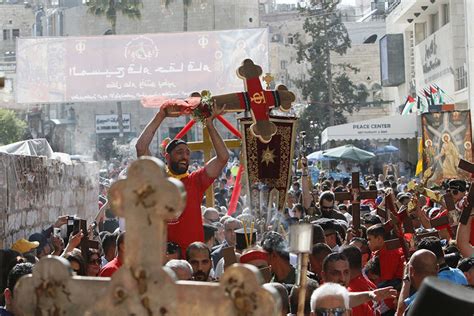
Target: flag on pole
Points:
(443, 95)
(419, 164)
(434, 94)
(409, 104)
(428, 97)
(421, 105)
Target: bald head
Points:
(423, 263)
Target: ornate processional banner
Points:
(268, 165)
(447, 137)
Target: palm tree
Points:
(109, 9)
(186, 5)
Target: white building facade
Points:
(434, 48)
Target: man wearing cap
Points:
(24, 246)
(258, 258)
(188, 227)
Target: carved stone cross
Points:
(355, 196)
(147, 199)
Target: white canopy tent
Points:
(387, 127)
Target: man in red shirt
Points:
(188, 227)
(358, 283)
(110, 268)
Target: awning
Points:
(387, 127)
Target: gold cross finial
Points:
(268, 80)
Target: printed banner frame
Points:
(447, 137)
(130, 67)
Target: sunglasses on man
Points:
(453, 191)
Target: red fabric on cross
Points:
(261, 111)
(236, 193)
(188, 227)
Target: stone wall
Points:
(34, 191)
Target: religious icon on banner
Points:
(446, 139)
(268, 164)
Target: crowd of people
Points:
(349, 270)
(342, 262)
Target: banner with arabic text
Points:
(129, 67)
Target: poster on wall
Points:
(446, 139)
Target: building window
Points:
(6, 35)
(283, 64)
(446, 13)
(363, 94)
(15, 33)
(461, 78)
(290, 39)
(420, 32)
(434, 19)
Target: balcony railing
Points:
(392, 4)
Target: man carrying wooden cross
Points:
(188, 227)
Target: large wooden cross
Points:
(207, 148)
(451, 218)
(147, 199)
(397, 220)
(466, 212)
(255, 99)
(355, 196)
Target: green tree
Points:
(327, 87)
(186, 5)
(12, 128)
(109, 9)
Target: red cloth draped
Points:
(185, 129)
(236, 193)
